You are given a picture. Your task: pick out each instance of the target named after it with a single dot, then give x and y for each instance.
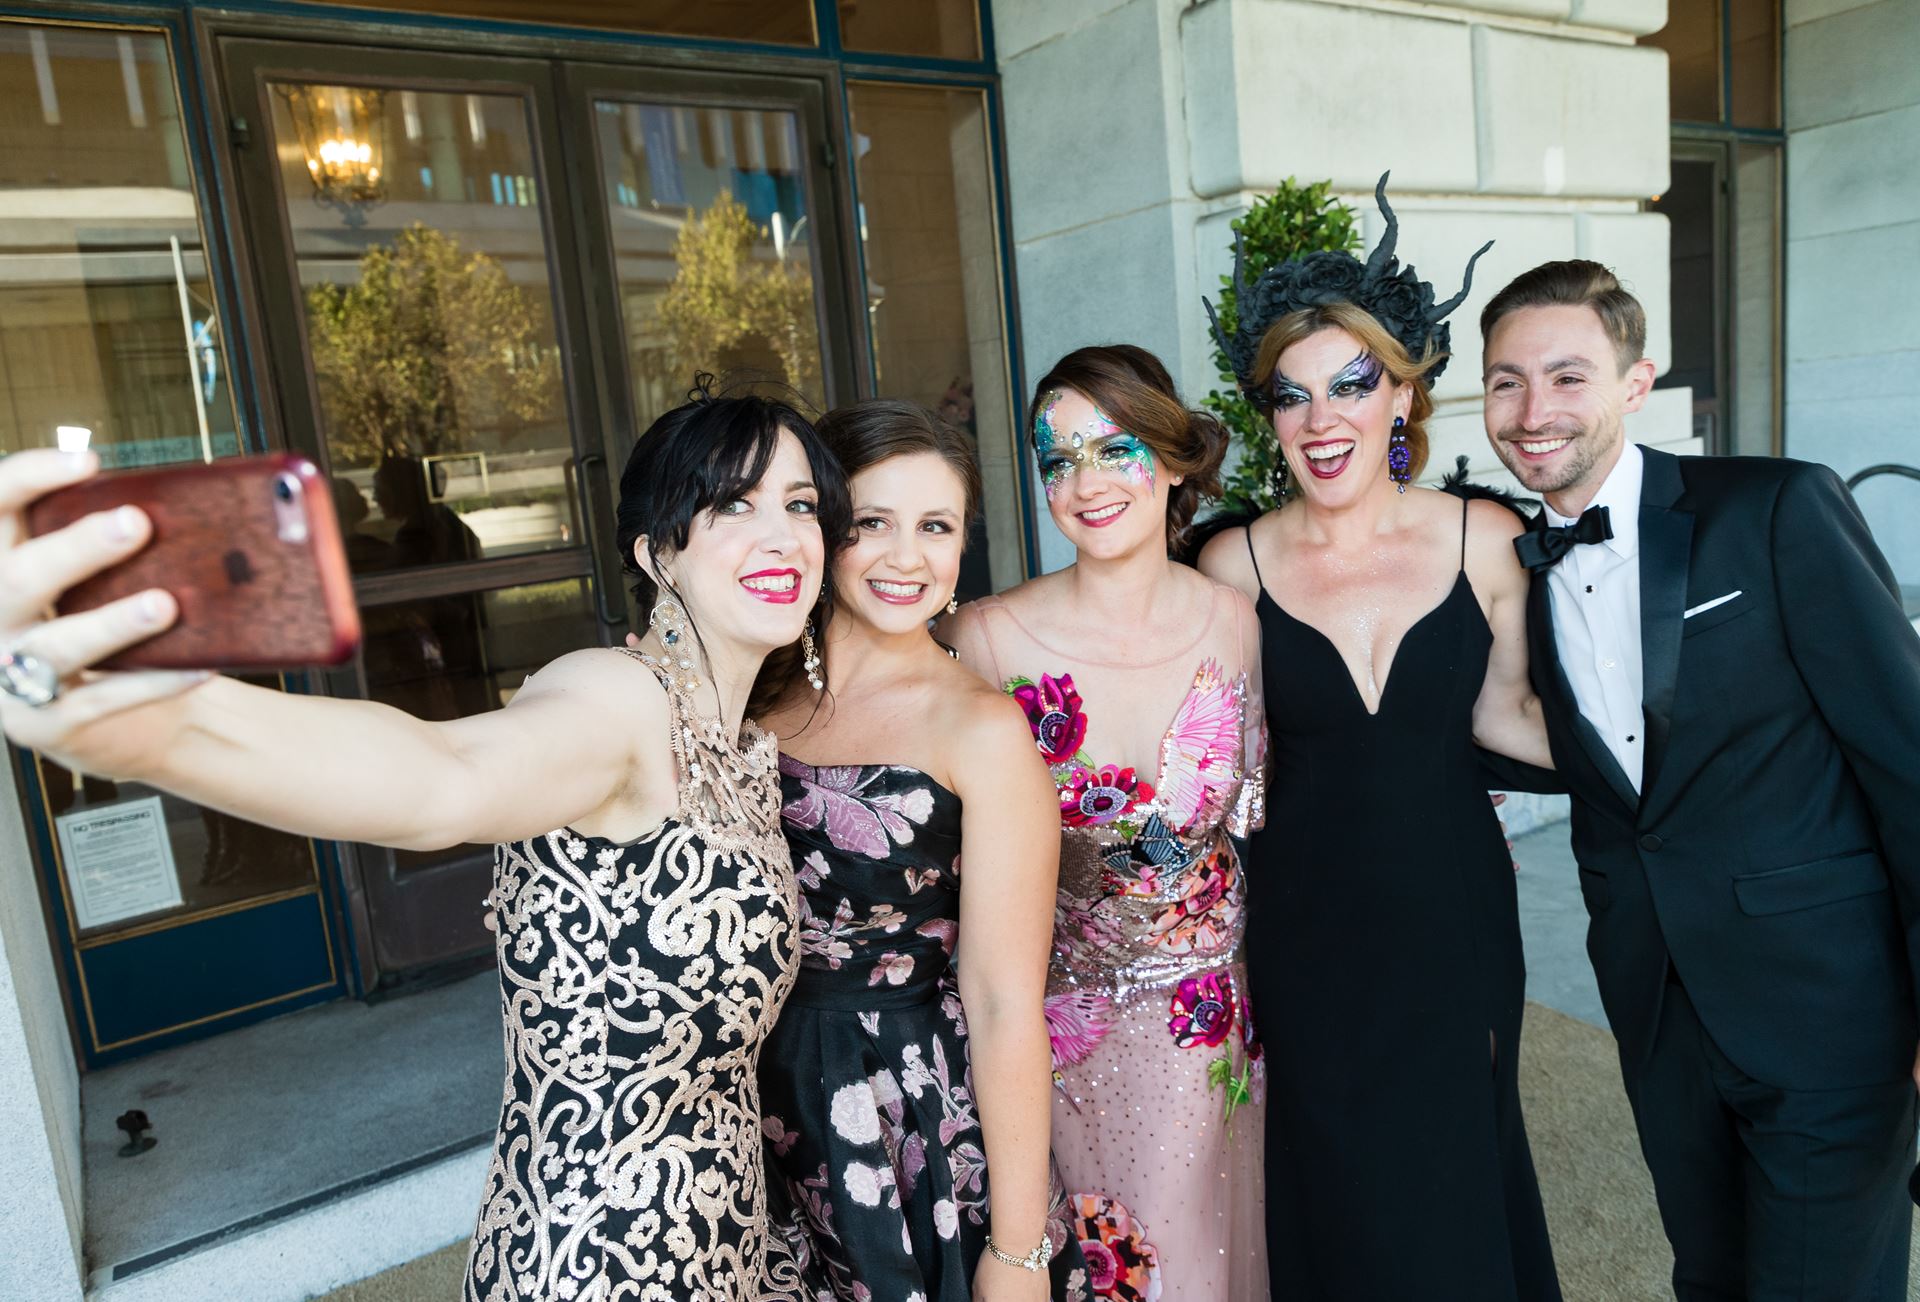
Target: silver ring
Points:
(27, 678)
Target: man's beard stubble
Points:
(1583, 454)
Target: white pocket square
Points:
(1709, 605)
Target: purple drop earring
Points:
(1399, 455)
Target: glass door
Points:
(423, 236)
(711, 237)
(172, 920)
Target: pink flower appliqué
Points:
(1053, 712)
(1076, 1023)
(1093, 796)
(1203, 917)
(1202, 1011)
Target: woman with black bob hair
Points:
(906, 1088)
(643, 898)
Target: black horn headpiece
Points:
(1393, 294)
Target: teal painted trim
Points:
(826, 20)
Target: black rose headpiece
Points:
(1393, 294)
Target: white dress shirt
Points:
(1594, 594)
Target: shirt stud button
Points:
(1589, 587)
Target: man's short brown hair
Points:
(1575, 283)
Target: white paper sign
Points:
(119, 862)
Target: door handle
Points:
(589, 496)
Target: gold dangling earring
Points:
(668, 620)
(953, 603)
(810, 658)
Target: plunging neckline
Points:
(1460, 579)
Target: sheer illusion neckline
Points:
(1080, 657)
(1460, 581)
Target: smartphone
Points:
(248, 546)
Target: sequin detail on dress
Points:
(638, 982)
(1152, 1042)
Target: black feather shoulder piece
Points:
(1457, 483)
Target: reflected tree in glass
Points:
(430, 342)
(730, 308)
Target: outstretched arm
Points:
(1010, 839)
(347, 770)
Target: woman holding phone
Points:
(645, 905)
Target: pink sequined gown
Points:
(1157, 1118)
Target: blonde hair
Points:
(1372, 336)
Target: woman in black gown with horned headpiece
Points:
(1385, 956)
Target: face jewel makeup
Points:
(1099, 444)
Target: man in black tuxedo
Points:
(1732, 695)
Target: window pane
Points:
(1696, 253)
(1756, 301)
(1691, 39)
(941, 29)
(1755, 55)
(422, 258)
(713, 248)
(448, 657)
(934, 289)
(780, 22)
(108, 325)
(217, 859)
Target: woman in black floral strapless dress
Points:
(899, 1173)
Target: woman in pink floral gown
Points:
(1140, 681)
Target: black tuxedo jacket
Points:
(1772, 856)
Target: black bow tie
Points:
(1540, 548)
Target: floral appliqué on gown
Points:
(871, 1123)
(1153, 1041)
(638, 982)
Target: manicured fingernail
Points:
(125, 524)
(152, 608)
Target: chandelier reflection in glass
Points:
(342, 132)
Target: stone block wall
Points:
(1137, 129)
(1852, 100)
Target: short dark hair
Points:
(1575, 283)
(705, 453)
(863, 434)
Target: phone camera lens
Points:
(283, 488)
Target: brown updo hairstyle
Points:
(1134, 390)
(860, 436)
(863, 434)
(1372, 336)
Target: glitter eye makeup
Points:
(1357, 379)
(1101, 445)
(1284, 393)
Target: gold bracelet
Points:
(1036, 1260)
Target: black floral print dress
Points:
(867, 1098)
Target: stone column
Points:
(1136, 131)
(1852, 99)
(40, 1194)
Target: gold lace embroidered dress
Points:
(637, 983)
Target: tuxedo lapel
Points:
(1551, 677)
(1666, 550)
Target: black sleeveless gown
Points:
(1384, 948)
